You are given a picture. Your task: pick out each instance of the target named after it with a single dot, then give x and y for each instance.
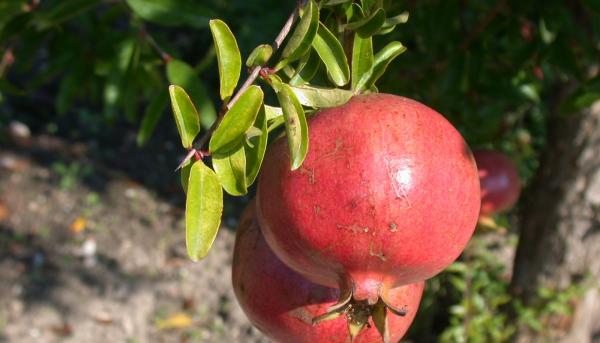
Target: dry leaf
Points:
(3, 211)
(176, 321)
(78, 225)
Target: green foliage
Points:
(185, 114)
(228, 56)
(473, 301)
(203, 210)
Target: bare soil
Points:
(89, 255)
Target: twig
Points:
(148, 37)
(251, 78)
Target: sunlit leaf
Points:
(259, 56)
(380, 64)
(237, 121)
(300, 41)
(362, 58)
(186, 116)
(203, 210)
(320, 97)
(255, 150)
(332, 54)
(185, 174)
(296, 127)
(228, 57)
(182, 74)
(307, 69)
(231, 170)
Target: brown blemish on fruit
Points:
(317, 209)
(310, 172)
(302, 314)
(378, 254)
(393, 227)
(354, 228)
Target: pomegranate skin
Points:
(282, 304)
(388, 195)
(500, 182)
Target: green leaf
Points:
(185, 174)
(329, 3)
(228, 56)
(382, 60)
(308, 68)
(319, 97)
(237, 121)
(303, 36)
(272, 112)
(172, 12)
(151, 116)
(255, 150)
(332, 54)
(186, 116)
(203, 210)
(259, 56)
(401, 18)
(362, 58)
(231, 170)
(370, 25)
(296, 127)
(182, 74)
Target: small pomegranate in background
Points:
(499, 179)
(283, 304)
(388, 195)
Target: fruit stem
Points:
(254, 73)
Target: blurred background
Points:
(91, 234)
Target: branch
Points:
(148, 37)
(251, 79)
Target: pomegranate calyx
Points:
(358, 314)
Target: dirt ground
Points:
(89, 255)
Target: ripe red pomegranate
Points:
(388, 195)
(499, 178)
(283, 304)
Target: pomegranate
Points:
(283, 304)
(388, 195)
(500, 183)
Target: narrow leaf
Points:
(186, 116)
(151, 116)
(369, 26)
(237, 121)
(182, 74)
(308, 68)
(272, 112)
(296, 127)
(228, 57)
(259, 56)
(255, 150)
(231, 170)
(332, 54)
(362, 58)
(303, 36)
(185, 175)
(319, 97)
(382, 60)
(203, 209)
